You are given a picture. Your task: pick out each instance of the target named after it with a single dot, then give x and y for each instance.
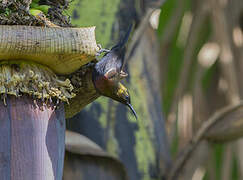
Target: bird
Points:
(108, 72)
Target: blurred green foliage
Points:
(174, 66)
(175, 55)
(35, 8)
(175, 52)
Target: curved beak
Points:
(133, 111)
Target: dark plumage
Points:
(114, 59)
(108, 72)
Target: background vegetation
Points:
(201, 65)
(195, 59)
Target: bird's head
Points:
(108, 85)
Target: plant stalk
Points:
(32, 139)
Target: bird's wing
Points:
(111, 73)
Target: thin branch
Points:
(226, 56)
(217, 116)
(227, 66)
(198, 20)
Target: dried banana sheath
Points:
(64, 50)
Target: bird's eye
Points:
(111, 77)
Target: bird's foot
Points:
(123, 74)
(101, 50)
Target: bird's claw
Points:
(101, 50)
(123, 74)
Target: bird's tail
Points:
(124, 40)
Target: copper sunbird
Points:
(108, 72)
